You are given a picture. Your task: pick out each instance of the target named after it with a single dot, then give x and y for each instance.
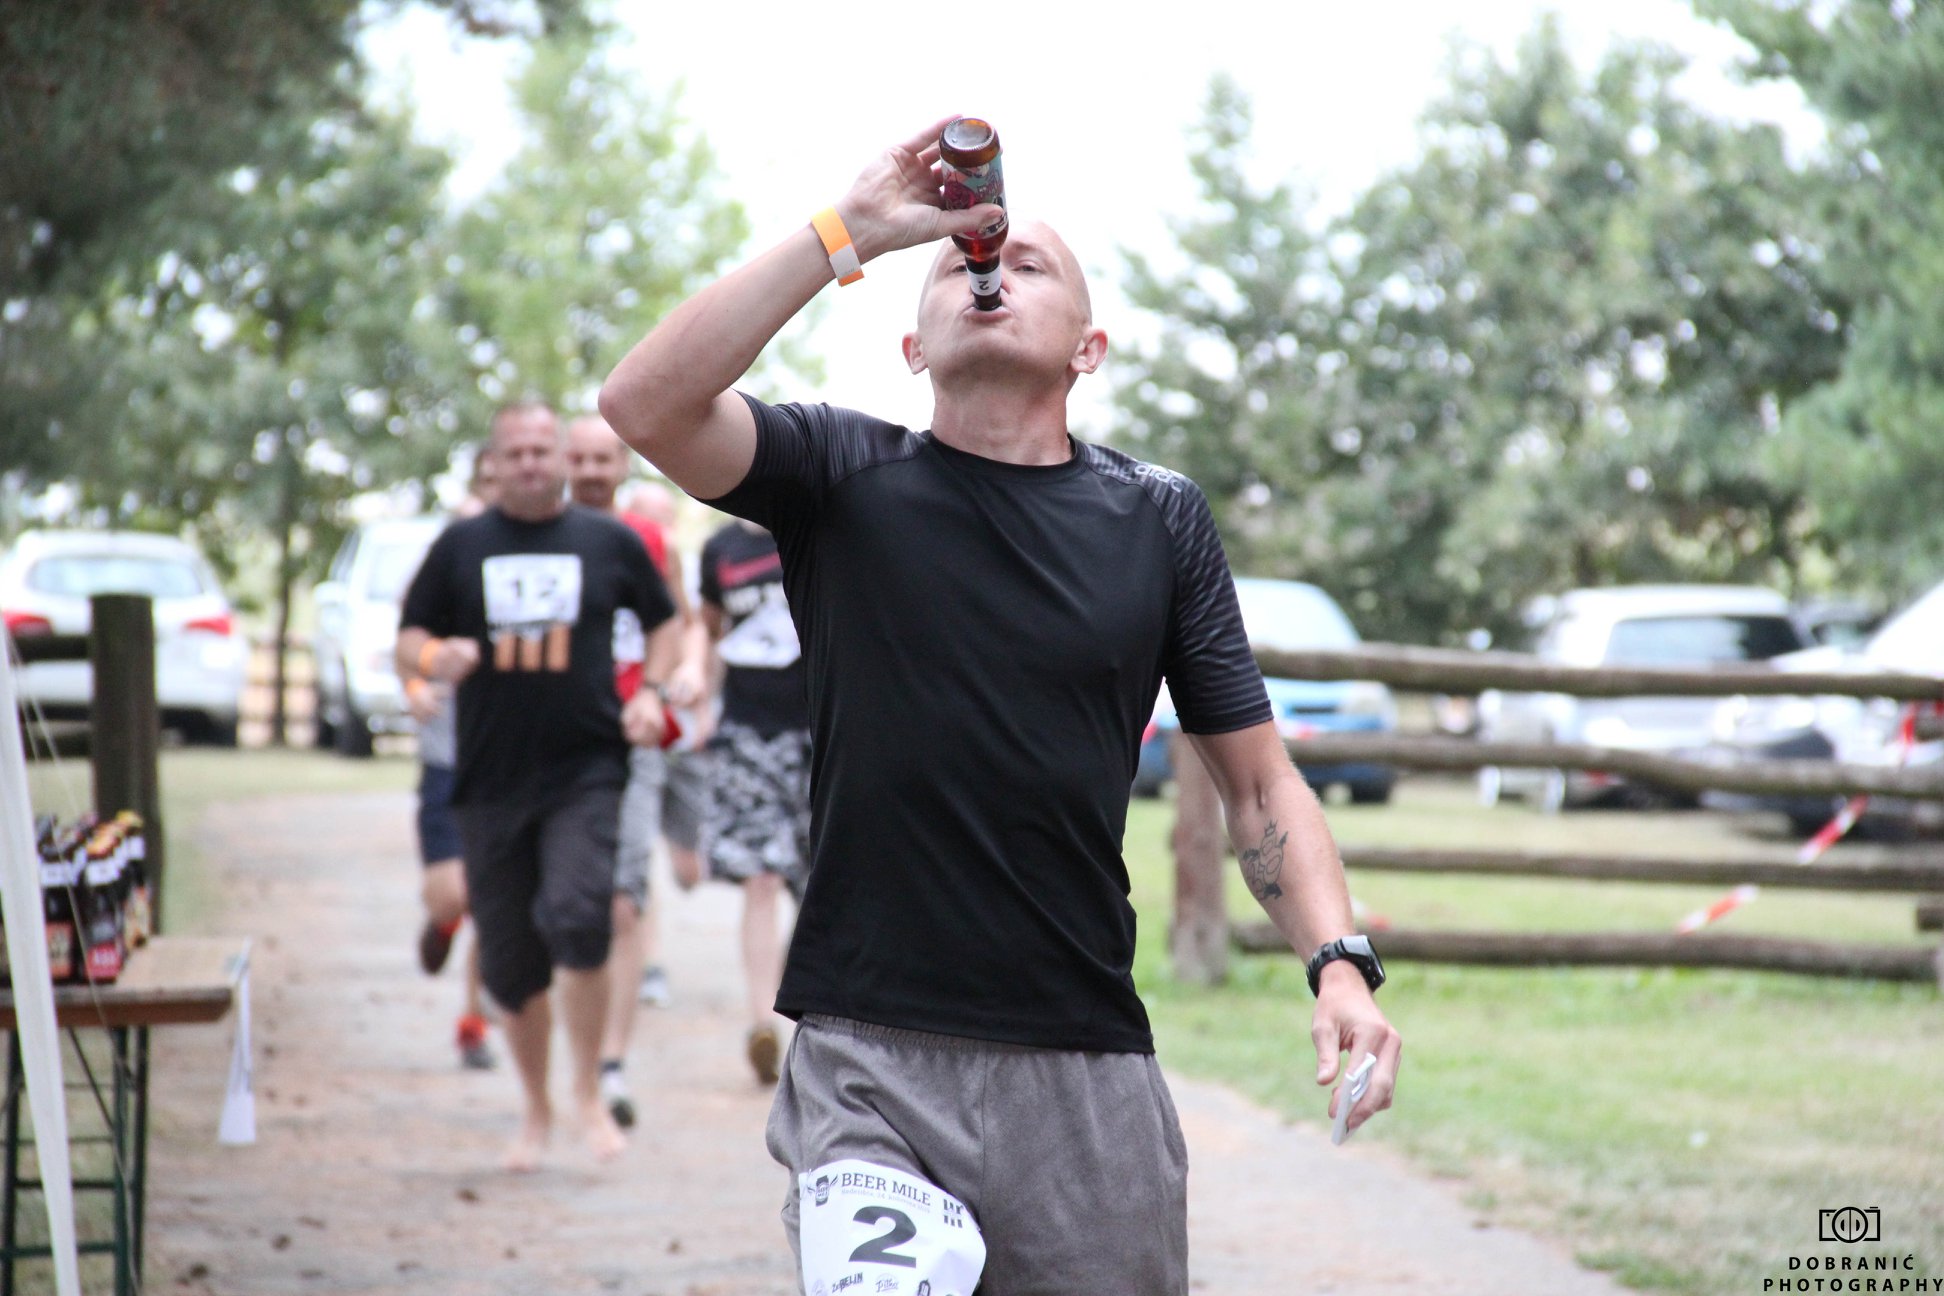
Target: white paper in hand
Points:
(867, 1229)
(1354, 1088)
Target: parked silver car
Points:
(1640, 625)
(1851, 730)
(201, 661)
(358, 693)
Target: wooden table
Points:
(171, 981)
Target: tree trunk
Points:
(1199, 939)
(286, 569)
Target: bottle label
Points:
(974, 185)
(104, 962)
(984, 285)
(60, 950)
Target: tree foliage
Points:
(115, 114)
(608, 215)
(122, 125)
(1548, 353)
(1865, 445)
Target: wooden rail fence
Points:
(1202, 934)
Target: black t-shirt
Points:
(540, 713)
(984, 644)
(762, 687)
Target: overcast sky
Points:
(1092, 109)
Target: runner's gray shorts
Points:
(1072, 1164)
(641, 818)
(667, 796)
(685, 797)
(759, 805)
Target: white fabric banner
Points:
(238, 1126)
(33, 983)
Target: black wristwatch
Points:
(1354, 948)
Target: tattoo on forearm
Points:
(1262, 864)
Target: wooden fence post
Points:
(1199, 937)
(126, 722)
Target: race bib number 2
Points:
(869, 1230)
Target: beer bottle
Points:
(138, 898)
(60, 870)
(968, 153)
(98, 910)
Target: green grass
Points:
(1681, 1129)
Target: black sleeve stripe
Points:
(1210, 669)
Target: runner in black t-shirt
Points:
(517, 606)
(757, 833)
(987, 611)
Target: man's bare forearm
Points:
(667, 384)
(1290, 862)
(405, 656)
(664, 651)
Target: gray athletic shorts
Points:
(1071, 1164)
(685, 798)
(641, 818)
(540, 887)
(667, 796)
(759, 805)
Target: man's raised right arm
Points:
(670, 397)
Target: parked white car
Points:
(1854, 731)
(358, 693)
(1638, 625)
(46, 580)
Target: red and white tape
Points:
(1813, 849)
(1367, 920)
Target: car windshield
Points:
(85, 575)
(393, 565)
(1699, 640)
(1913, 639)
(1292, 616)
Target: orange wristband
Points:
(429, 647)
(837, 246)
(415, 686)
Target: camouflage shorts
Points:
(759, 806)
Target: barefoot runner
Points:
(517, 607)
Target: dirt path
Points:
(375, 1169)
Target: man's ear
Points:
(914, 353)
(1090, 352)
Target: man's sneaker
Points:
(765, 1051)
(475, 1054)
(435, 944)
(614, 1092)
(654, 987)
